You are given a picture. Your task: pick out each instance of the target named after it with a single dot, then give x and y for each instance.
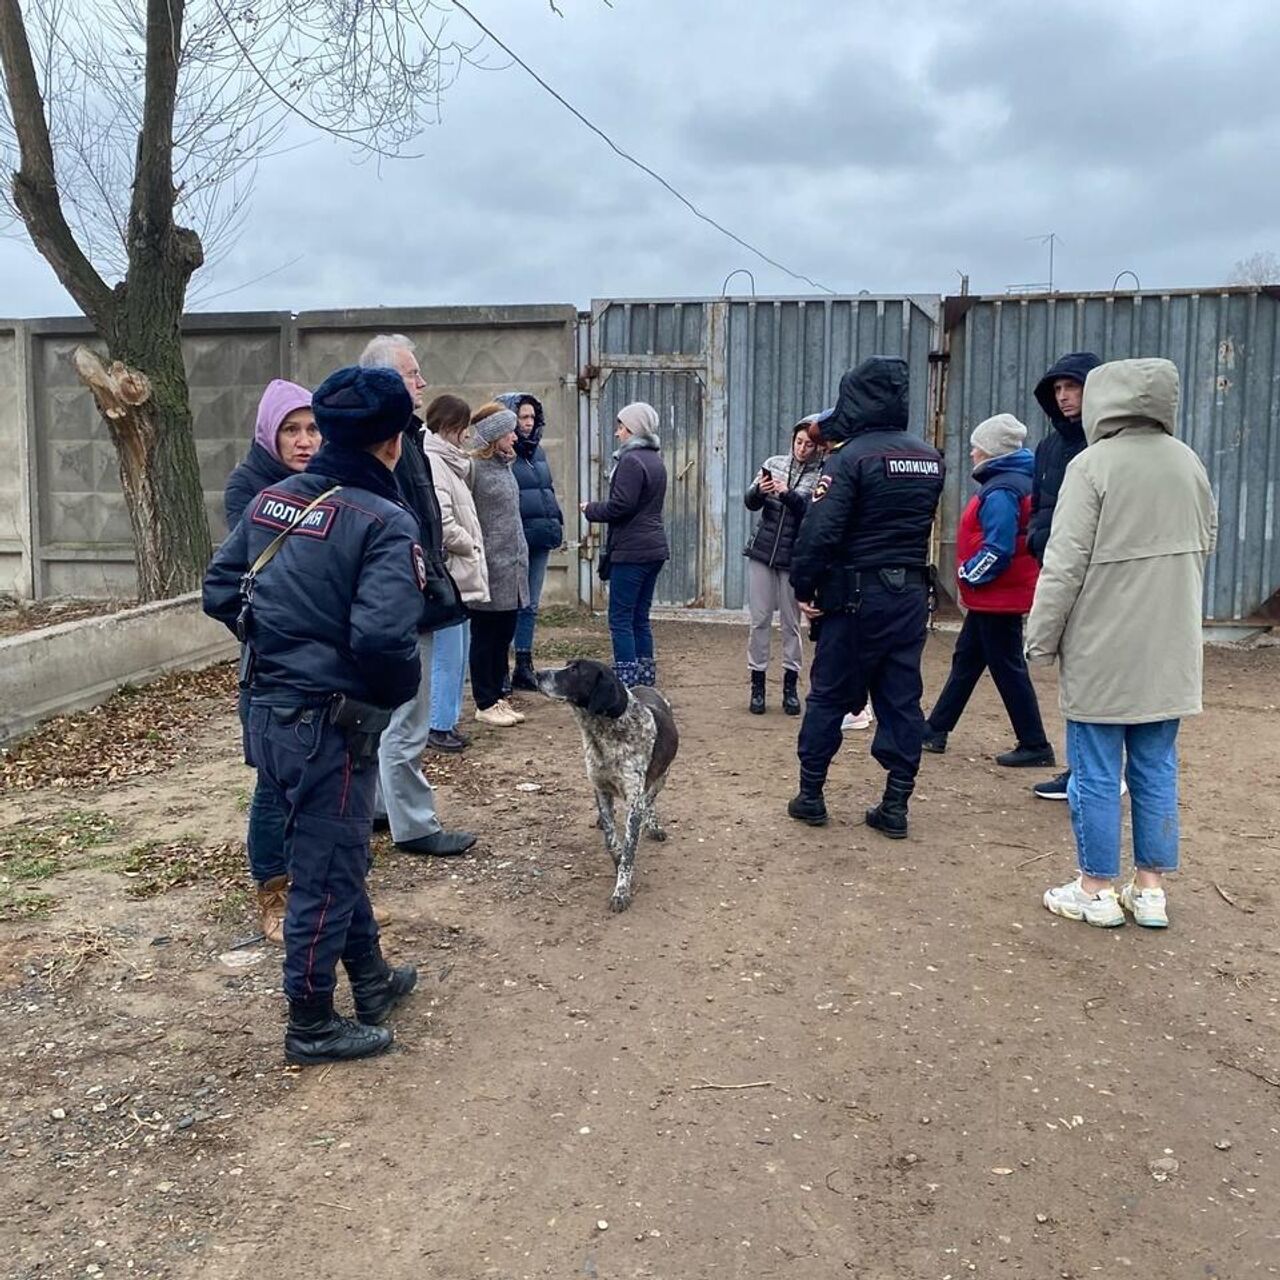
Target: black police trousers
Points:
(304, 760)
(874, 652)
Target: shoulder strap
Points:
(268, 553)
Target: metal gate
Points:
(658, 352)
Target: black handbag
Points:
(604, 566)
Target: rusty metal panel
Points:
(1226, 345)
(786, 357)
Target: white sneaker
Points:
(517, 717)
(1070, 900)
(495, 716)
(1149, 907)
(861, 721)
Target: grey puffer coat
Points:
(776, 533)
(497, 497)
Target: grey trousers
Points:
(404, 796)
(769, 591)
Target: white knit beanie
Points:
(999, 435)
(640, 419)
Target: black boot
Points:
(889, 817)
(790, 697)
(1024, 757)
(377, 987)
(934, 741)
(316, 1034)
(524, 677)
(757, 693)
(808, 805)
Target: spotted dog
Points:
(629, 738)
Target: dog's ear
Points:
(608, 694)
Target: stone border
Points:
(80, 664)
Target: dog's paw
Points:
(619, 902)
(657, 833)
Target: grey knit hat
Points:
(494, 427)
(999, 435)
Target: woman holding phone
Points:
(780, 491)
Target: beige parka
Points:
(1119, 599)
(460, 525)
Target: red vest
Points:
(1012, 591)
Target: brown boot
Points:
(272, 895)
(381, 915)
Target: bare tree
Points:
(1257, 268)
(132, 129)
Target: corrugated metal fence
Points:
(1227, 349)
(761, 364)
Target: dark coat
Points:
(258, 470)
(336, 610)
(441, 603)
(633, 509)
(1055, 451)
(873, 505)
(540, 513)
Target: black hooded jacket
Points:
(1056, 449)
(874, 503)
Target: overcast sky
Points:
(879, 145)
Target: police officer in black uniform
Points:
(860, 570)
(323, 579)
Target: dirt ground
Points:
(801, 1053)
(17, 617)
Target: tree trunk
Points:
(143, 399)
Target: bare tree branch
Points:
(35, 187)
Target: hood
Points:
(873, 397)
(1074, 365)
(456, 459)
(1021, 461)
(278, 401)
(525, 446)
(1131, 393)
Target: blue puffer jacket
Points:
(255, 473)
(336, 610)
(540, 513)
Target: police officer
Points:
(323, 580)
(860, 570)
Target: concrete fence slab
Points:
(80, 664)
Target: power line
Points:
(630, 159)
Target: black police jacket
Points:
(874, 504)
(336, 610)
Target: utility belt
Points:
(361, 722)
(842, 589)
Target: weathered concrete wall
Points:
(80, 664)
(64, 529)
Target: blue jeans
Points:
(1096, 753)
(449, 675)
(527, 617)
(264, 840)
(630, 599)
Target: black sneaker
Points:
(935, 743)
(1022, 757)
(808, 809)
(443, 844)
(445, 740)
(1055, 788)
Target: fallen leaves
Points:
(135, 732)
